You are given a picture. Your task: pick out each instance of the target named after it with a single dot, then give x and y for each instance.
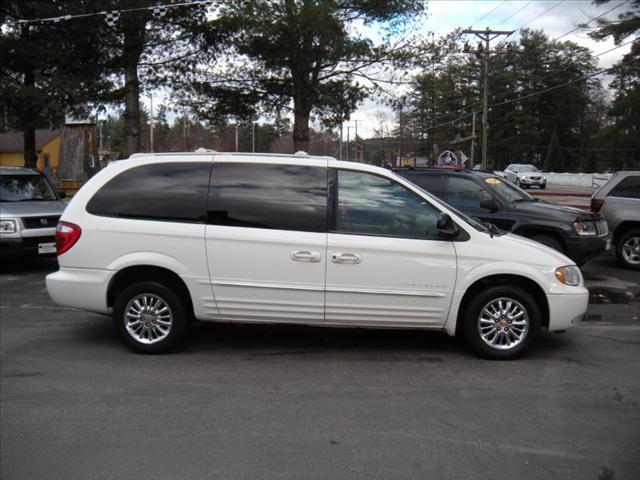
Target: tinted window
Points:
(162, 191)
(627, 188)
(282, 197)
(371, 205)
(465, 193)
(431, 182)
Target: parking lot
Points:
(296, 402)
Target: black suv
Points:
(579, 234)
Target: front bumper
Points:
(566, 311)
(530, 182)
(582, 249)
(16, 247)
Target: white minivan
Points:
(160, 239)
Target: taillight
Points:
(596, 204)
(67, 234)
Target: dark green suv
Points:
(579, 234)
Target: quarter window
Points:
(372, 205)
(627, 188)
(161, 191)
(281, 197)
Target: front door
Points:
(386, 264)
(266, 241)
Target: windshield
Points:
(527, 168)
(508, 190)
(25, 188)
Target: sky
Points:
(561, 17)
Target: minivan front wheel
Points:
(501, 322)
(150, 317)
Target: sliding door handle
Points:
(342, 257)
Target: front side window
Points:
(25, 188)
(627, 188)
(368, 204)
(161, 191)
(465, 193)
(280, 197)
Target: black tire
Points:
(542, 187)
(471, 322)
(152, 291)
(550, 241)
(628, 236)
(518, 183)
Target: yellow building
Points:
(47, 148)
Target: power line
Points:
(490, 12)
(515, 13)
(538, 16)
(592, 20)
(535, 79)
(539, 92)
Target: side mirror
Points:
(489, 204)
(62, 193)
(446, 226)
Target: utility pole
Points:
(348, 143)
(236, 135)
(340, 148)
(151, 122)
(356, 140)
(253, 136)
(473, 136)
(484, 51)
(400, 144)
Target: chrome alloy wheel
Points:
(503, 323)
(631, 250)
(148, 318)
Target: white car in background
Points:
(161, 238)
(525, 175)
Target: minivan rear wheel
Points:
(150, 317)
(501, 322)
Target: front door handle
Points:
(342, 257)
(305, 256)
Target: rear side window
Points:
(627, 188)
(280, 197)
(431, 182)
(161, 191)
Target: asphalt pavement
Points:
(261, 402)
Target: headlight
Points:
(8, 226)
(585, 228)
(569, 275)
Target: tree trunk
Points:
(29, 131)
(131, 111)
(30, 155)
(301, 129)
(134, 25)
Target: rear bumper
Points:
(582, 249)
(24, 246)
(80, 288)
(566, 311)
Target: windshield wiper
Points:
(489, 227)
